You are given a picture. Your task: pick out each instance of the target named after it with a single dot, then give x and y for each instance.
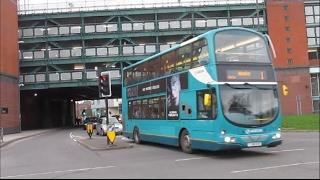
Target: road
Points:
(56, 155)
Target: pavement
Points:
(99, 143)
(10, 138)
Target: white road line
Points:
(55, 172)
(287, 150)
(274, 167)
(189, 159)
(72, 137)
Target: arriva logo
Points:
(252, 131)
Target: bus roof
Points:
(187, 42)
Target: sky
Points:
(59, 4)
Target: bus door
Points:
(198, 109)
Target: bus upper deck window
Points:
(241, 46)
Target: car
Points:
(93, 120)
(101, 126)
(119, 118)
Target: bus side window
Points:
(214, 105)
(206, 104)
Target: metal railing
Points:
(95, 5)
(97, 51)
(1, 135)
(139, 26)
(63, 76)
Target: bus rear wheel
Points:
(136, 136)
(185, 142)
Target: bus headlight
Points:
(228, 139)
(223, 132)
(277, 136)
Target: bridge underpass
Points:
(49, 108)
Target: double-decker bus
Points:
(213, 92)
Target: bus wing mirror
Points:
(207, 99)
(271, 46)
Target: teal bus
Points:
(215, 91)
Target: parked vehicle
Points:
(101, 126)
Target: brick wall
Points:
(287, 29)
(298, 82)
(9, 66)
(9, 98)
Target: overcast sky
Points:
(63, 4)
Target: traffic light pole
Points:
(107, 116)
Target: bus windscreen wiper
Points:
(234, 86)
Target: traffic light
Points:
(104, 84)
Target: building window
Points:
(309, 19)
(317, 19)
(289, 50)
(316, 105)
(288, 40)
(315, 84)
(313, 55)
(285, 7)
(310, 32)
(316, 10)
(287, 28)
(311, 41)
(286, 18)
(290, 61)
(308, 10)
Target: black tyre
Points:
(185, 142)
(136, 136)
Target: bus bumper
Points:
(274, 143)
(215, 146)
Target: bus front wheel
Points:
(185, 142)
(136, 136)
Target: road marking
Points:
(287, 150)
(73, 137)
(55, 172)
(189, 159)
(274, 167)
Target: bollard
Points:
(111, 134)
(90, 129)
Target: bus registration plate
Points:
(254, 144)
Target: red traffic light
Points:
(104, 84)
